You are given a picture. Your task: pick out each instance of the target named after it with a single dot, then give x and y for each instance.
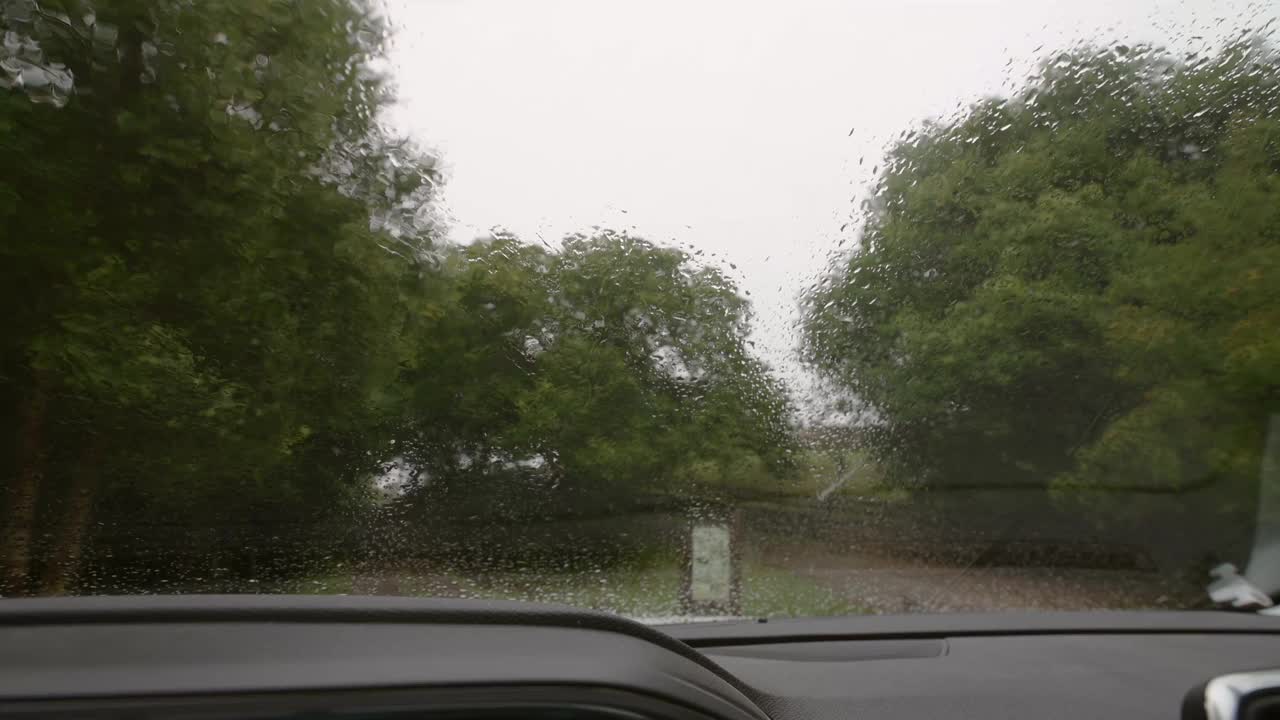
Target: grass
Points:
(647, 591)
(818, 470)
(336, 583)
(635, 592)
(775, 592)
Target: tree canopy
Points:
(232, 305)
(1076, 284)
(608, 367)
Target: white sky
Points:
(721, 126)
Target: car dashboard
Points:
(214, 657)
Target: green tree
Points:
(196, 212)
(607, 372)
(230, 316)
(1075, 284)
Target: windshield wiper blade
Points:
(1233, 591)
(1257, 586)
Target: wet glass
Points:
(673, 310)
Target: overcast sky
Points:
(745, 129)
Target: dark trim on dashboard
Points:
(493, 702)
(677, 638)
(901, 627)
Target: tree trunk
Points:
(64, 560)
(21, 493)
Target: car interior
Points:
(365, 657)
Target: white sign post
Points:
(711, 584)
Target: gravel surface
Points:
(920, 589)
(883, 583)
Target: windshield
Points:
(674, 310)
